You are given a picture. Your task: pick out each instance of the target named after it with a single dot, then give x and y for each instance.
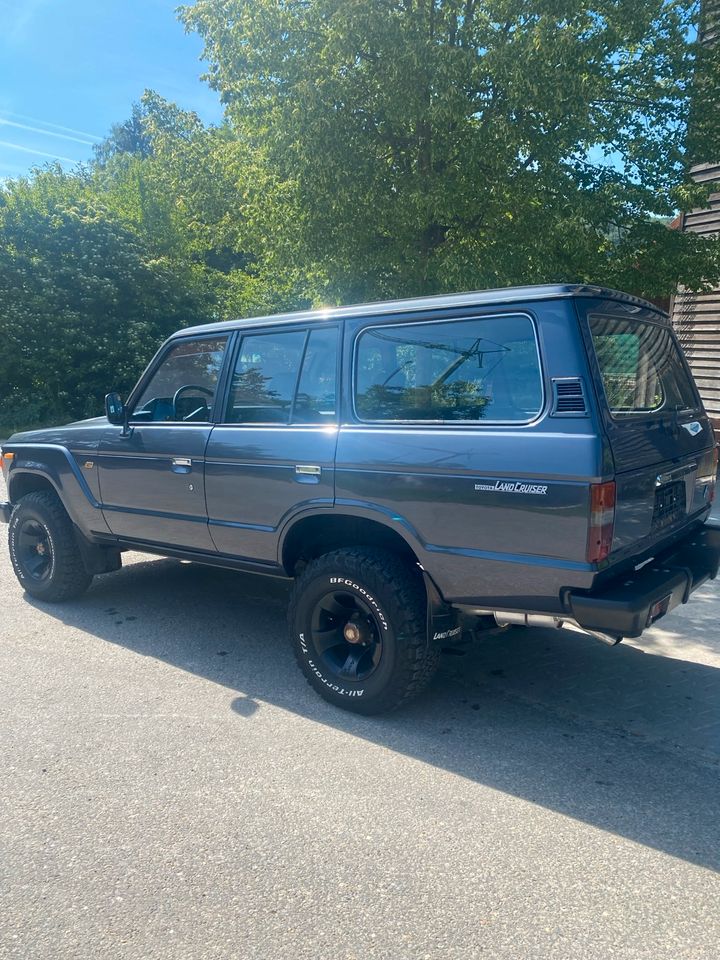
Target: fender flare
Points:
(443, 620)
(358, 511)
(63, 474)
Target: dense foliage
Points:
(83, 300)
(371, 149)
(449, 144)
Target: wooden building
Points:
(696, 316)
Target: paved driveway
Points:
(171, 788)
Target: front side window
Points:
(284, 377)
(485, 368)
(641, 367)
(182, 389)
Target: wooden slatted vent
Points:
(569, 397)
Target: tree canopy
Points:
(83, 300)
(371, 148)
(445, 144)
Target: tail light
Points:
(707, 474)
(602, 520)
(713, 478)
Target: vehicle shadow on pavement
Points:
(616, 738)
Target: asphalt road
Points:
(171, 788)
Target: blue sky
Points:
(71, 68)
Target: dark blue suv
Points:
(533, 455)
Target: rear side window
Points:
(641, 367)
(480, 369)
(315, 399)
(285, 376)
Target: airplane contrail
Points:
(55, 126)
(47, 133)
(39, 153)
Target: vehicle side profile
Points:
(532, 455)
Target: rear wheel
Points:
(358, 626)
(43, 549)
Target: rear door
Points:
(273, 453)
(659, 433)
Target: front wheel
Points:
(358, 626)
(43, 549)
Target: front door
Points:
(273, 453)
(152, 479)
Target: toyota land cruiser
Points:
(534, 455)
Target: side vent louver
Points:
(569, 397)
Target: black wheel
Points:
(358, 627)
(43, 549)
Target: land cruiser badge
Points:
(514, 486)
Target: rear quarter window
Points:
(641, 367)
(481, 369)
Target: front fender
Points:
(58, 467)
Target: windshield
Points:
(641, 367)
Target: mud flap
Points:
(443, 621)
(97, 559)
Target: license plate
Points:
(670, 505)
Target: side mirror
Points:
(115, 410)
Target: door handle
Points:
(307, 473)
(181, 464)
(679, 472)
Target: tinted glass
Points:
(316, 401)
(641, 367)
(183, 387)
(469, 370)
(263, 384)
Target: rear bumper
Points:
(628, 605)
(5, 511)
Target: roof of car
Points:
(422, 304)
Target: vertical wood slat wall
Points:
(696, 316)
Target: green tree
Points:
(83, 302)
(128, 137)
(409, 146)
(196, 195)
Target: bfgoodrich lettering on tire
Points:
(357, 621)
(43, 549)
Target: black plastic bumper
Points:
(631, 603)
(5, 511)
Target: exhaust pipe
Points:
(511, 618)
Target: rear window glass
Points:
(641, 367)
(486, 368)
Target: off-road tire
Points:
(394, 594)
(67, 576)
